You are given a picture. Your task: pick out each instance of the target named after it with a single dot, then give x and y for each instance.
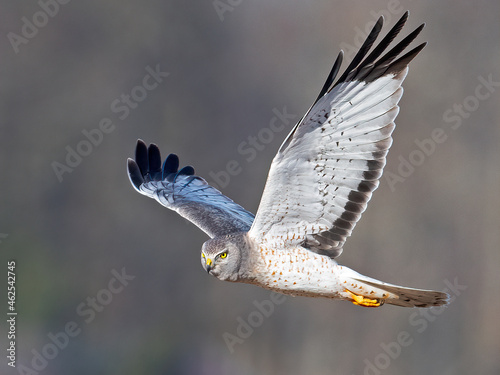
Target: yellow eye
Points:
(203, 255)
(223, 255)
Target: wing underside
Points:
(327, 168)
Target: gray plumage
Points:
(188, 195)
(319, 184)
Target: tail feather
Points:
(405, 297)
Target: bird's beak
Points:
(208, 265)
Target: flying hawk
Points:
(319, 184)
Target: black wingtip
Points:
(332, 75)
(187, 170)
(170, 165)
(404, 17)
(154, 162)
(384, 43)
(370, 39)
(371, 67)
(134, 174)
(400, 47)
(404, 60)
(141, 156)
(148, 166)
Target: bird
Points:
(318, 185)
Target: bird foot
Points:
(363, 301)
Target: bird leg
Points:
(363, 301)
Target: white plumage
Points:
(319, 184)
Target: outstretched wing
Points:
(182, 191)
(325, 171)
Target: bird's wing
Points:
(189, 195)
(325, 171)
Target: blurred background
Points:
(110, 282)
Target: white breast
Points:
(298, 271)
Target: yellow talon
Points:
(363, 301)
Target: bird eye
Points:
(223, 255)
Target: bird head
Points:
(221, 258)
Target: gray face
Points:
(221, 258)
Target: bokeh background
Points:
(230, 63)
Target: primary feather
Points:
(189, 195)
(327, 168)
(319, 184)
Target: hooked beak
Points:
(208, 263)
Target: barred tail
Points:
(406, 297)
(369, 292)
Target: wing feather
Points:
(187, 194)
(327, 168)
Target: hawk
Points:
(319, 184)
